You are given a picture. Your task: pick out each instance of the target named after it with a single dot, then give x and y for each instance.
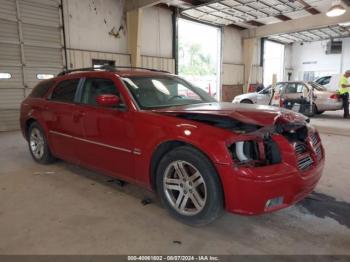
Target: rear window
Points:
(41, 89)
(65, 91)
(323, 80)
(317, 86)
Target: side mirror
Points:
(107, 100)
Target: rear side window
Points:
(41, 89)
(65, 91)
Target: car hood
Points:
(247, 113)
(247, 95)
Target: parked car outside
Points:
(158, 131)
(324, 100)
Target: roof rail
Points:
(107, 68)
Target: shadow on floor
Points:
(323, 206)
(316, 204)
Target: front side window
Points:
(93, 87)
(158, 92)
(65, 91)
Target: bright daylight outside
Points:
(273, 61)
(199, 50)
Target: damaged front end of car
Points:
(276, 157)
(256, 145)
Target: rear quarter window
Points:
(65, 91)
(41, 89)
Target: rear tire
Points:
(38, 146)
(189, 186)
(246, 101)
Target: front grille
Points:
(318, 151)
(314, 139)
(300, 148)
(304, 159)
(304, 162)
(305, 152)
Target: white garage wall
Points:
(288, 61)
(232, 57)
(89, 22)
(312, 57)
(90, 25)
(232, 46)
(346, 54)
(157, 39)
(157, 33)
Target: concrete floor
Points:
(64, 209)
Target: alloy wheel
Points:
(37, 143)
(185, 188)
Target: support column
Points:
(249, 51)
(134, 18)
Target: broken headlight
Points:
(255, 153)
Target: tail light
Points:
(334, 96)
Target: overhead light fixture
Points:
(336, 9)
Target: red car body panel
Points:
(122, 143)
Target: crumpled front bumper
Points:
(249, 194)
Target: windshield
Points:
(317, 86)
(165, 91)
(267, 90)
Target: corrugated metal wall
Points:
(160, 63)
(83, 58)
(30, 44)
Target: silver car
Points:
(323, 100)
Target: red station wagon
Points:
(155, 129)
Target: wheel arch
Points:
(27, 124)
(246, 101)
(166, 147)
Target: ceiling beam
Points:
(237, 27)
(296, 25)
(254, 23)
(283, 17)
(136, 4)
(309, 8)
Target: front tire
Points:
(189, 186)
(38, 146)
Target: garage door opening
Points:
(273, 61)
(199, 55)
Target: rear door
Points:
(108, 132)
(64, 121)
